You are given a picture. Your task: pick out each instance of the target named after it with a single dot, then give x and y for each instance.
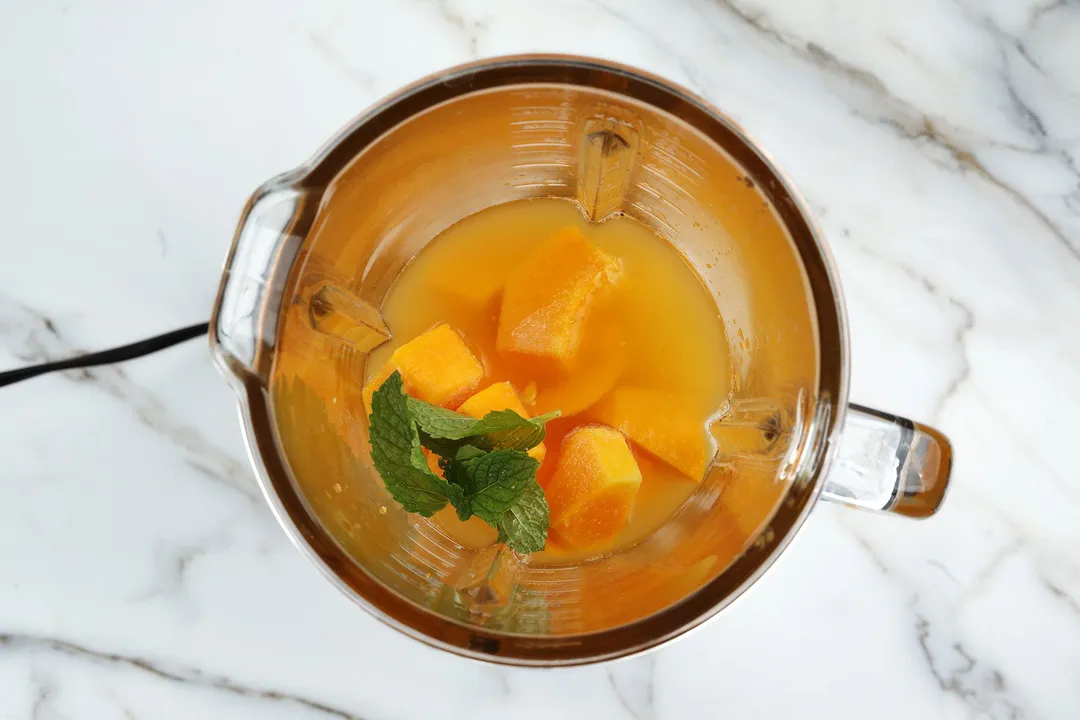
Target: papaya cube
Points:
(662, 424)
(547, 296)
(475, 283)
(600, 364)
(500, 396)
(435, 366)
(594, 486)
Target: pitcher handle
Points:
(890, 464)
(243, 322)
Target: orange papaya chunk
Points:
(594, 486)
(600, 364)
(473, 285)
(547, 296)
(662, 424)
(436, 366)
(500, 396)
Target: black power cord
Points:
(107, 357)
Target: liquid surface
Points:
(658, 328)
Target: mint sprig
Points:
(498, 430)
(524, 524)
(494, 481)
(487, 470)
(395, 448)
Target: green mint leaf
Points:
(445, 449)
(547, 417)
(523, 526)
(468, 452)
(484, 462)
(460, 454)
(498, 430)
(464, 509)
(456, 470)
(457, 498)
(439, 423)
(520, 437)
(395, 449)
(494, 481)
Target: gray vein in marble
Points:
(982, 688)
(1029, 121)
(909, 123)
(878, 561)
(1070, 602)
(875, 103)
(124, 709)
(1025, 542)
(691, 77)
(913, 58)
(1064, 483)
(174, 563)
(961, 683)
(636, 687)
(960, 332)
(503, 682)
(44, 692)
(39, 340)
(1038, 11)
(470, 29)
(937, 564)
(1026, 115)
(977, 584)
(182, 560)
(1023, 51)
(180, 675)
(329, 51)
(199, 468)
(963, 373)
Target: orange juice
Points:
(634, 342)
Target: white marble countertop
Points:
(141, 575)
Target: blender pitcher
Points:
(297, 315)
